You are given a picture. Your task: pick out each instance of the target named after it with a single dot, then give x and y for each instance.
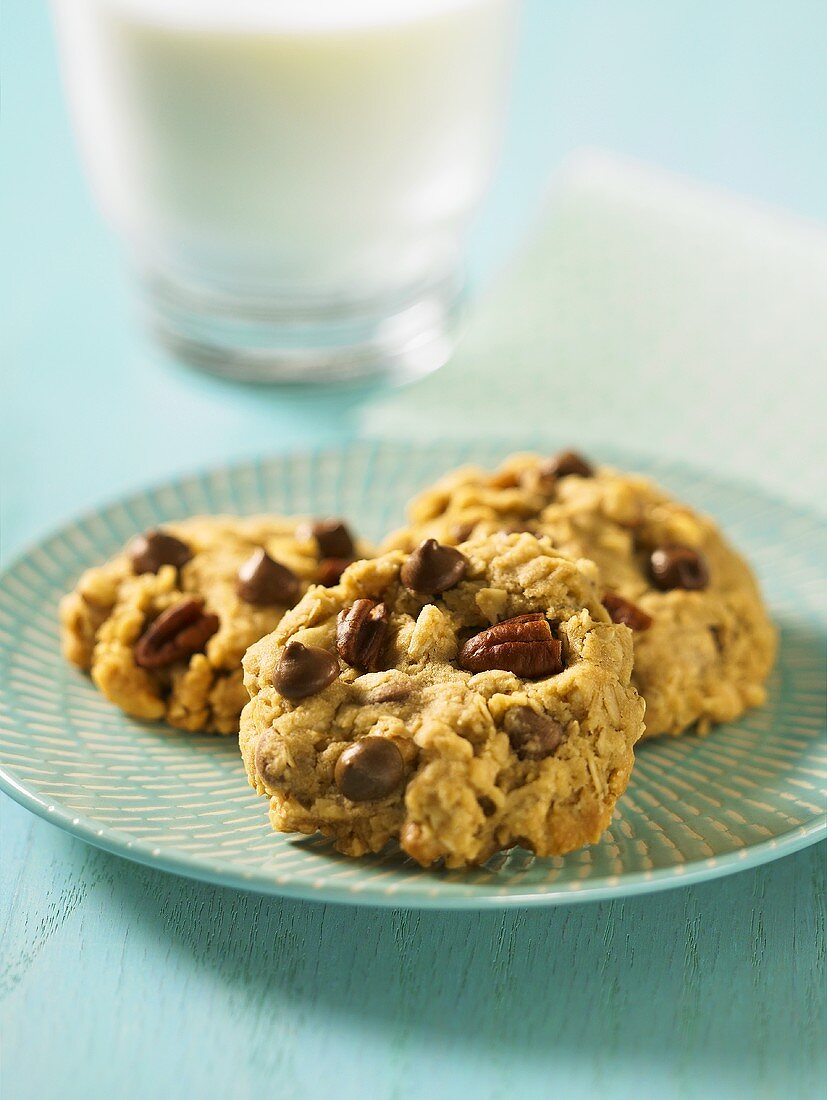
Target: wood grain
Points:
(139, 982)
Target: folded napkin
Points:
(650, 313)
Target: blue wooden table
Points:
(120, 981)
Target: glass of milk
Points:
(293, 179)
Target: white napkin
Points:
(650, 313)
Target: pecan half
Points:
(523, 645)
(626, 613)
(178, 632)
(360, 633)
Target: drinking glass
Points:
(293, 180)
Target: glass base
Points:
(255, 339)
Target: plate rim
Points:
(614, 455)
(606, 887)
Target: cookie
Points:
(460, 700)
(704, 643)
(162, 627)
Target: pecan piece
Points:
(523, 645)
(626, 613)
(178, 632)
(360, 633)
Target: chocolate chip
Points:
(369, 769)
(304, 670)
(677, 566)
(626, 613)
(533, 736)
(333, 539)
(487, 805)
(523, 645)
(433, 568)
(567, 464)
(178, 632)
(330, 571)
(148, 552)
(360, 634)
(261, 580)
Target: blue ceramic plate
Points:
(695, 808)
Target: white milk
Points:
(312, 148)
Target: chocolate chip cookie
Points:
(704, 644)
(461, 699)
(162, 627)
